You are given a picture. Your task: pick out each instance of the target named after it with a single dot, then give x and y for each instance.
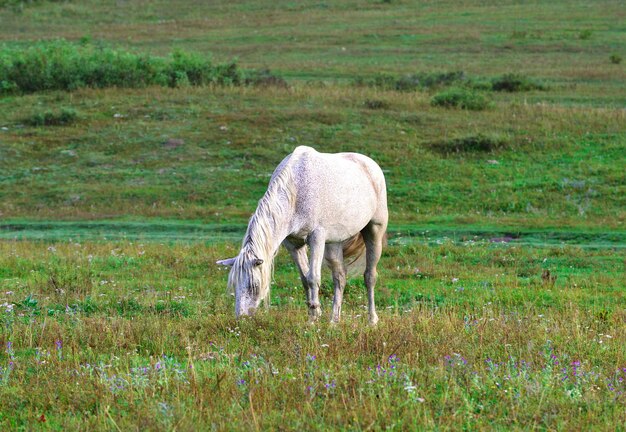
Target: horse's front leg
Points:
(316, 241)
(299, 256)
(334, 257)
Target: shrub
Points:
(615, 59)
(515, 83)
(49, 118)
(585, 34)
(442, 78)
(191, 69)
(60, 65)
(459, 97)
(470, 144)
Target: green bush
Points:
(49, 118)
(615, 59)
(470, 144)
(459, 97)
(61, 65)
(515, 83)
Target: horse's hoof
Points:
(373, 320)
(314, 314)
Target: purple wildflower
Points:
(10, 351)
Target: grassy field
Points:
(142, 335)
(502, 290)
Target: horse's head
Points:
(249, 278)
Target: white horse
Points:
(334, 203)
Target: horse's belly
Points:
(345, 217)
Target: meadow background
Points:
(136, 138)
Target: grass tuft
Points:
(412, 82)
(265, 78)
(459, 97)
(63, 117)
(515, 83)
(375, 104)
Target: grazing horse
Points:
(336, 204)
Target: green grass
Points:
(560, 167)
(148, 340)
(501, 292)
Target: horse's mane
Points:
(259, 242)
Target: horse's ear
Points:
(258, 262)
(226, 262)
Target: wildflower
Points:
(165, 409)
(10, 351)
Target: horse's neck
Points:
(267, 229)
(272, 221)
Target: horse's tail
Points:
(354, 254)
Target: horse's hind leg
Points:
(373, 235)
(334, 257)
